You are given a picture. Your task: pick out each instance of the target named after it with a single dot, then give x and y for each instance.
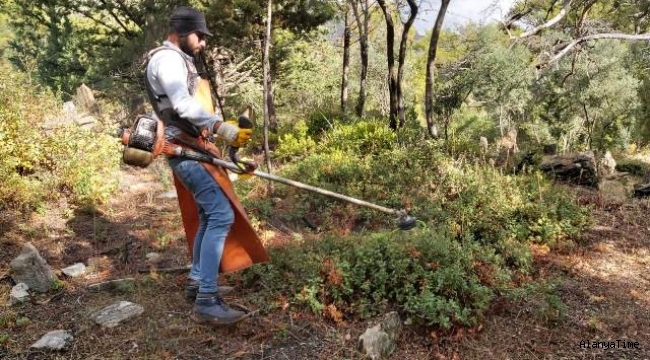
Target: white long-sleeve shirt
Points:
(167, 73)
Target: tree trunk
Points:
(401, 60)
(273, 119)
(268, 91)
(433, 47)
(390, 55)
(152, 27)
(362, 27)
(346, 64)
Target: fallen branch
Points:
(48, 300)
(166, 270)
(112, 284)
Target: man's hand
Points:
(244, 134)
(233, 134)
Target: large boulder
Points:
(579, 169)
(30, 268)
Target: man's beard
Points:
(185, 47)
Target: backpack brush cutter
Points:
(146, 140)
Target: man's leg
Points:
(182, 169)
(193, 281)
(216, 218)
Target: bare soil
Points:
(604, 289)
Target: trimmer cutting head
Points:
(406, 222)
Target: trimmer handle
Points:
(243, 122)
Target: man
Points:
(208, 204)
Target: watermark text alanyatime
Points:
(614, 344)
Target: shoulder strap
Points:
(153, 97)
(182, 124)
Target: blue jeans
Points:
(215, 218)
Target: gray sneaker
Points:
(192, 288)
(210, 309)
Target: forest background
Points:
(450, 124)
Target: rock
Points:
(54, 340)
(392, 325)
(376, 343)
(30, 268)
(113, 284)
(86, 100)
(642, 190)
(579, 169)
(114, 314)
(69, 109)
(75, 270)
(379, 341)
(607, 165)
(153, 257)
(87, 122)
(19, 294)
(168, 195)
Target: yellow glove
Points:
(244, 134)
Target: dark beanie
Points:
(185, 20)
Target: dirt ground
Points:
(604, 286)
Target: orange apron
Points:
(243, 247)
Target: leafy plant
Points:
(41, 165)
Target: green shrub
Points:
(470, 199)
(477, 227)
(634, 167)
(39, 165)
(295, 144)
(476, 231)
(368, 137)
(319, 122)
(426, 275)
(539, 298)
(85, 163)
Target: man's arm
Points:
(170, 71)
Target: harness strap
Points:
(169, 116)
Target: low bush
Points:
(294, 144)
(40, 165)
(430, 277)
(477, 225)
(634, 167)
